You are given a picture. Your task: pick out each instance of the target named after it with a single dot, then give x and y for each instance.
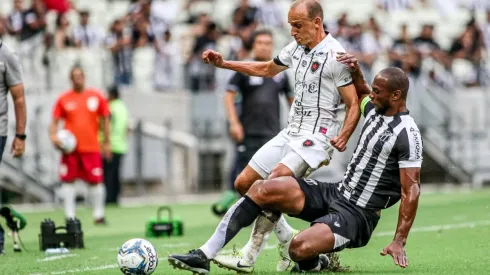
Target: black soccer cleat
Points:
(195, 261)
(1, 249)
(324, 263)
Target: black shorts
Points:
(247, 149)
(351, 224)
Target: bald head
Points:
(396, 79)
(313, 8)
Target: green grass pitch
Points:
(451, 235)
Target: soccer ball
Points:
(137, 257)
(68, 140)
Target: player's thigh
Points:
(312, 241)
(91, 166)
(292, 164)
(269, 155)
(281, 194)
(69, 167)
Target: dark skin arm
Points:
(17, 92)
(410, 183)
(362, 87)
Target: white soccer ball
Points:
(137, 257)
(68, 140)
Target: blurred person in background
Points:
(85, 34)
(259, 117)
(119, 145)
(394, 5)
(270, 14)
(80, 109)
(142, 35)
(427, 46)
(11, 79)
(31, 36)
(486, 31)
(62, 38)
(119, 43)
(245, 20)
(202, 77)
(404, 55)
(164, 76)
(15, 18)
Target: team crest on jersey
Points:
(386, 135)
(315, 66)
(308, 143)
(92, 103)
(312, 88)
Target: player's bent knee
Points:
(300, 249)
(280, 170)
(258, 192)
(242, 184)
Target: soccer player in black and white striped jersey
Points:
(385, 168)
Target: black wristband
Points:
(21, 136)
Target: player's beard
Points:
(381, 109)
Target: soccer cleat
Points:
(324, 263)
(101, 221)
(195, 261)
(235, 262)
(285, 262)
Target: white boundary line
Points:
(271, 247)
(56, 257)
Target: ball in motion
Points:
(137, 257)
(68, 140)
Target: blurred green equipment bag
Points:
(164, 226)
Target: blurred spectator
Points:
(3, 27)
(427, 46)
(86, 35)
(60, 6)
(244, 20)
(270, 14)
(202, 77)
(119, 43)
(404, 55)
(486, 31)
(15, 18)
(119, 145)
(33, 21)
(61, 37)
(165, 62)
(394, 5)
(469, 45)
(142, 35)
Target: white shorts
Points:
(297, 152)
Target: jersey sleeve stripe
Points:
(347, 84)
(279, 62)
(364, 102)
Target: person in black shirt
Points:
(259, 119)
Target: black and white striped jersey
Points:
(372, 180)
(318, 106)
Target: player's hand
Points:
(236, 132)
(349, 60)
(396, 250)
(56, 142)
(18, 147)
(106, 151)
(212, 57)
(339, 143)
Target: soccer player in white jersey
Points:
(323, 116)
(384, 169)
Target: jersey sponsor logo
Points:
(312, 88)
(308, 143)
(315, 66)
(304, 63)
(337, 224)
(92, 103)
(299, 112)
(295, 57)
(416, 141)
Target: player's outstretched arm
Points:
(362, 87)
(252, 68)
(410, 183)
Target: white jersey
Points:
(318, 107)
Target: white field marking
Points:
(165, 245)
(57, 257)
(433, 228)
(271, 247)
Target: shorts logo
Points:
(303, 63)
(312, 88)
(308, 143)
(63, 170)
(310, 182)
(315, 66)
(92, 103)
(336, 224)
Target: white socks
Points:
(69, 199)
(283, 230)
(97, 194)
(260, 235)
